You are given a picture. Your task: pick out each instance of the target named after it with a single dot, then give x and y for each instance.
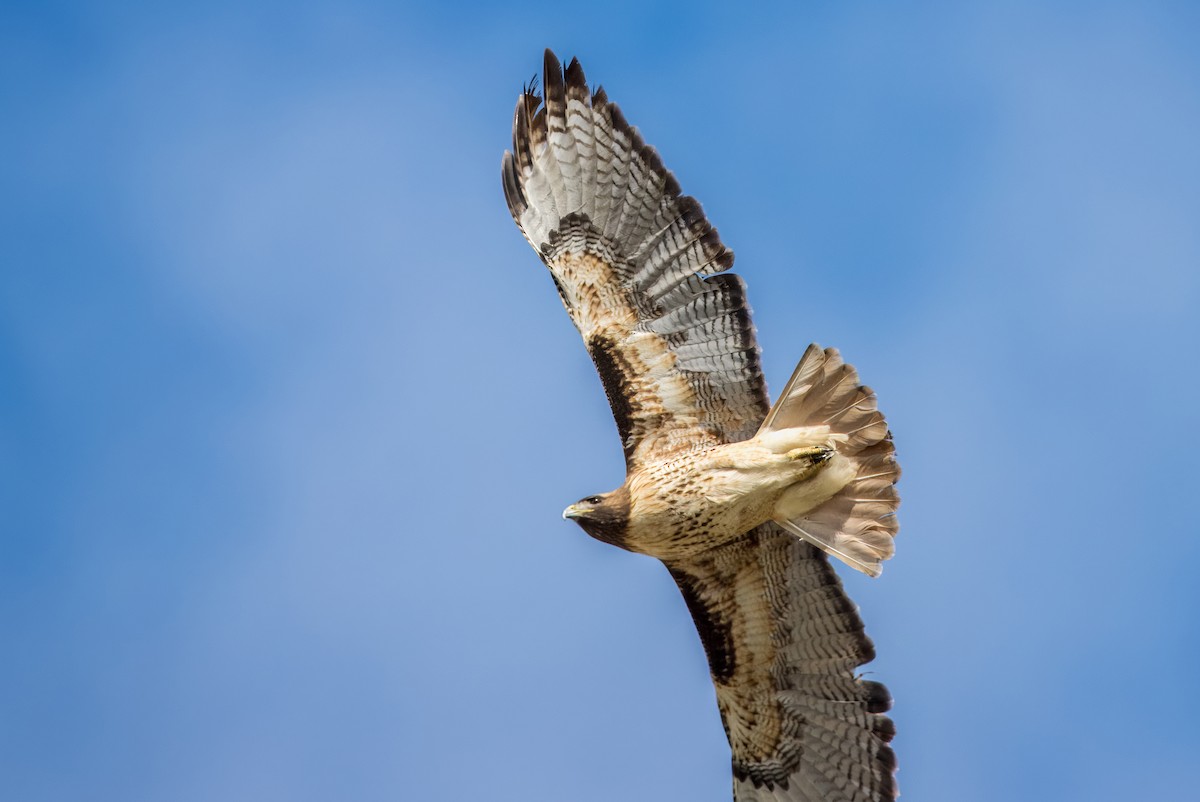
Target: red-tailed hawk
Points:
(736, 499)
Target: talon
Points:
(816, 454)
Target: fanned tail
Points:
(857, 523)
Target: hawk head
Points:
(604, 517)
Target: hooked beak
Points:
(573, 512)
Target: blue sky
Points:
(289, 410)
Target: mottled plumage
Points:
(730, 495)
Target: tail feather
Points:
(857, 523)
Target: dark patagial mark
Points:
(614, 373)
(716, 633)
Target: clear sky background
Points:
(289, 409)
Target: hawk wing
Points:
(783, 641)
(639, 269)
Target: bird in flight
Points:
(739, 499)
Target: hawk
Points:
(739, 499)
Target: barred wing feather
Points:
(639, 268)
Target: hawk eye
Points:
(593, 500)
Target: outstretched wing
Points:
(783, 642)
(639, 269)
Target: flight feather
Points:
(639, 268)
